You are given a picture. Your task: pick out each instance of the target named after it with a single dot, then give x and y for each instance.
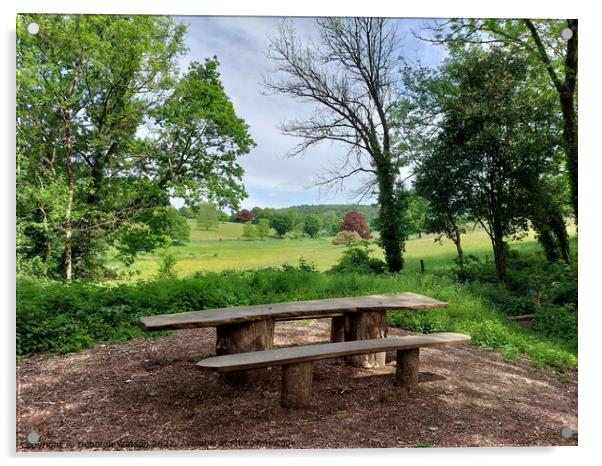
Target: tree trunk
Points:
(548, 243)
(391, 238)
(499, 253)
(296, 385)
(70, 188)
(406, 371)
(570, 138)
(566, 90)
(559, 227)
(458, 242)
(365, 326)
(241, 338)
(569, 112)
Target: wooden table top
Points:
(289, 311)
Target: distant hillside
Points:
(368, 211)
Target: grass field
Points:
(225, 249)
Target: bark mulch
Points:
(148, 394)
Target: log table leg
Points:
(296, 385)
(406, 372)
(337, 329)
(244, 337)
(365, 326)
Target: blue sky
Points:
(240, 43)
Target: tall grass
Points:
(53, 317)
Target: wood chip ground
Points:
(148, 394)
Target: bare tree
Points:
(351, 77)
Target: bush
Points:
(346, 237)
(558, 322)
(53, 317)
(168, 260)
(359, 260)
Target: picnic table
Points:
(245, 329)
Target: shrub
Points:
(346, 237)
(263, 227)
(359, 260)
(168, 260)
(557, 321)
(249, 231)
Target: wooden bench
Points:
(243, 329)
(297, 361)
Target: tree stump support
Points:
(337, 329)
(406, 372)
(365, 326)
(296, 385)
(244, 337)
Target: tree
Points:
(497, 142)
(282, 223)
(354, 221)
(416, 215)
(436, 180)
(540, 41)
(244, 216)
(330, 222)
(87, 85)
(312, 225)
(266, 214)
(351, 77)
(263, 227)
(207, 216)
(249, 231)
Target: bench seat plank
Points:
(289, 311)
(299, 354)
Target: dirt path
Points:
(148, 394)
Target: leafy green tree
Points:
(330, 222)
(266, 214)
(497, 141)
(282, 223)
(416, 215)
(158, 228)
(207, 216)
(263, 228)
(87, 85)
(249, 231)
(437, 181)
(312, 225)
(540, 42)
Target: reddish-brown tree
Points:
(244, 216)
(354, 221)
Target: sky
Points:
(272, 179)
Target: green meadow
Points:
(224, 248)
